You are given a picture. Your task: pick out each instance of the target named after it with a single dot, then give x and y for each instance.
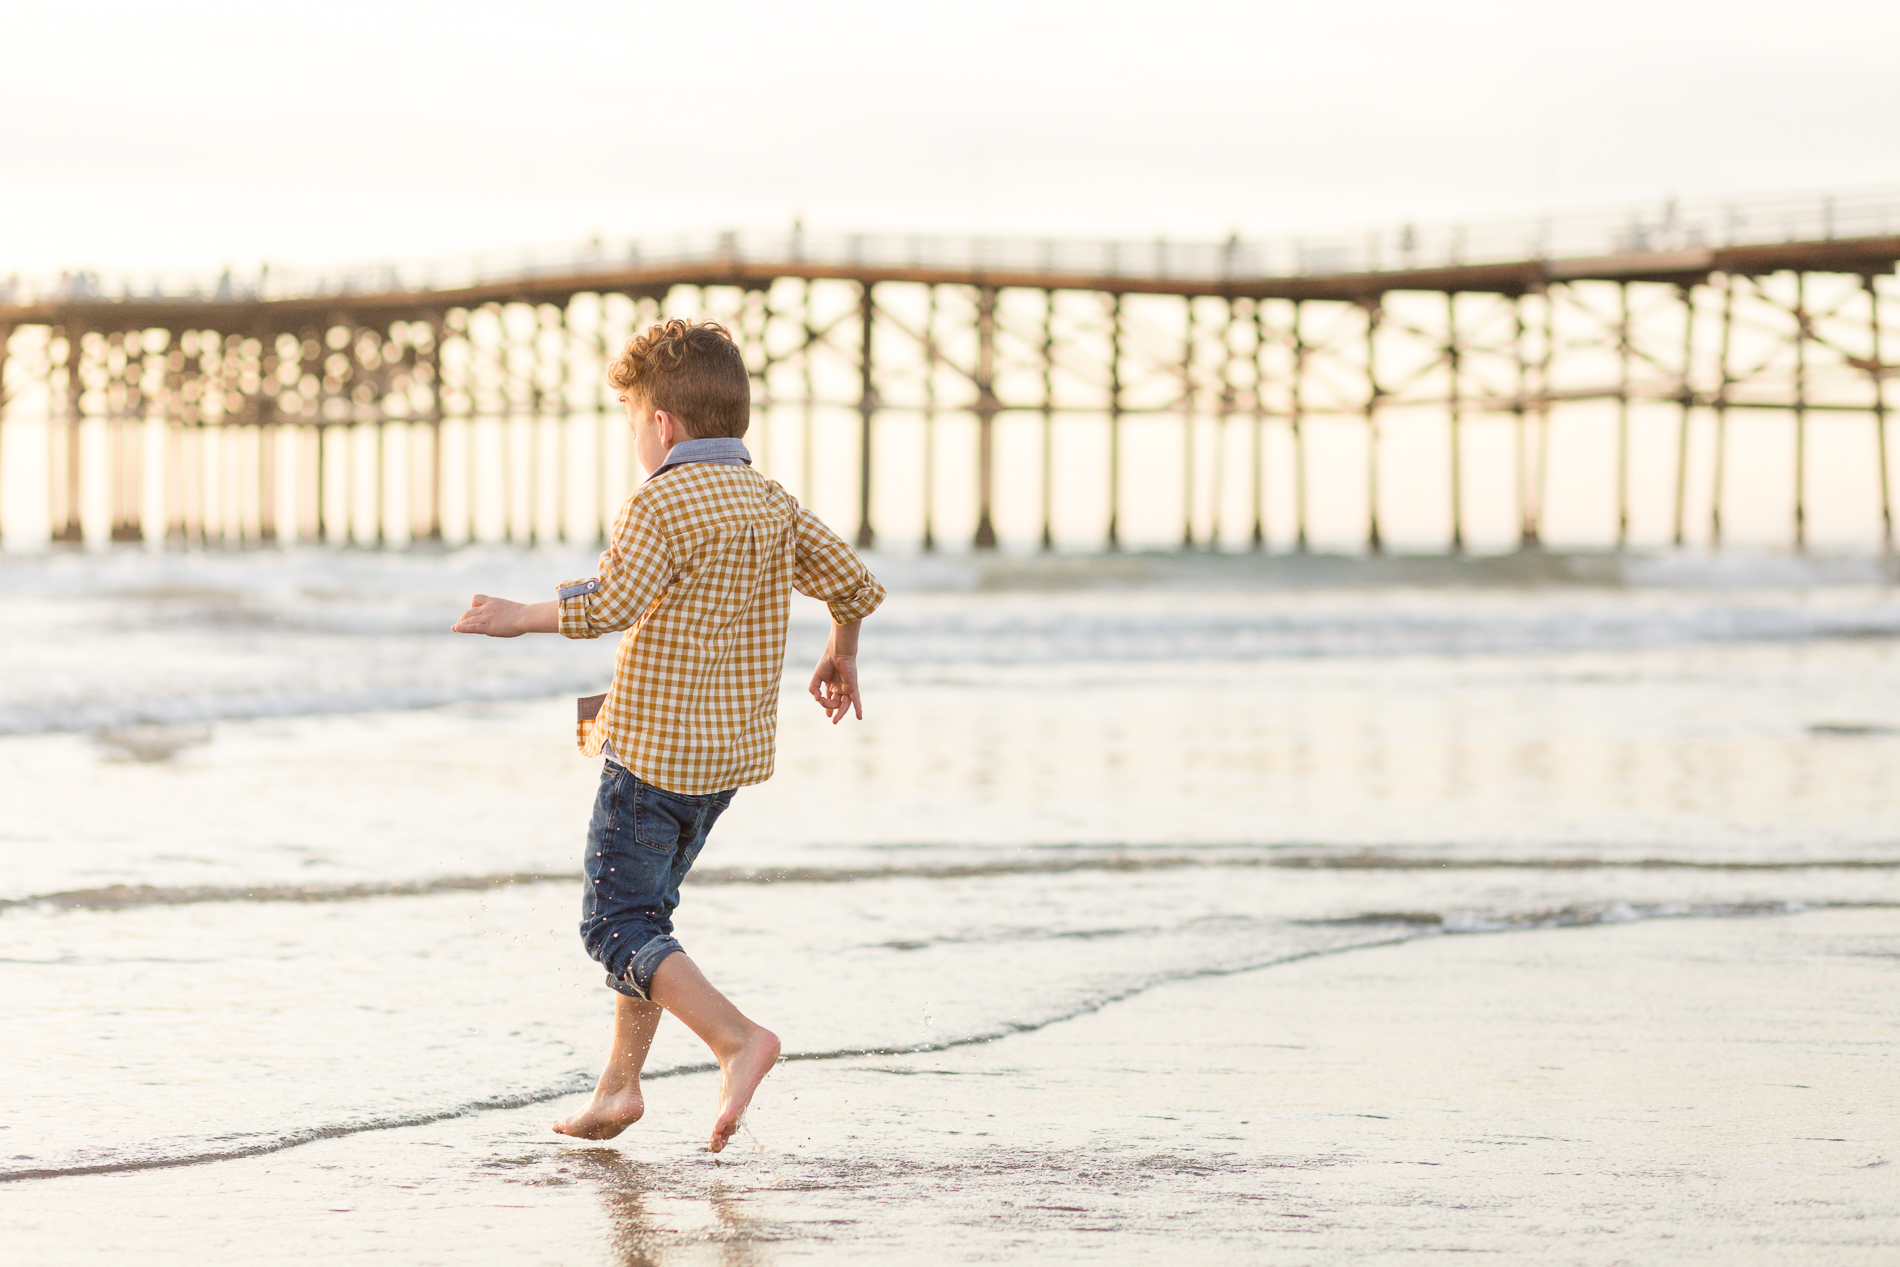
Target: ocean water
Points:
(284, 863)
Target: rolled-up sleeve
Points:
(827, 569)
(635, 569)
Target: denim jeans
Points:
(641, 842)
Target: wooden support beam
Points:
(6, 344)
(1187, 430)
(1297, 417)
(1375, 541)
(807, 470)
(930, 419)
(1520, 478)
(1802, 332)
(1224, 415)
(1877, 370)
(1048, 417)
(71, 530)
(986, 408)
(1623, 353)
(1115, 422)
(1456, 420)
(1723, 383)
(266, 415)
(867, 409)
(433, 362)
(1687, 294)
(1257, 466)
(562, 414)
(1534, 525)
(604, 514)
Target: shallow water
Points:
(285, 862)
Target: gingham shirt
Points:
(700, 574)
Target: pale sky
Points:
(192, 135)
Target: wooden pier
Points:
(374, 407)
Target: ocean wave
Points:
(120, 640)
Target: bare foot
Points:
(607, 1114)
(739, 1077)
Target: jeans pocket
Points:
(611, 801)
(659, 821)
(607, 808)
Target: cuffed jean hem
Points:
(637, 980)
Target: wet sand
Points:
(1681, 1090)
(1341, 926)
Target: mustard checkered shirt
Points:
(700, 574)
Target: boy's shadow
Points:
(642, 1238)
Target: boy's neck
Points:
(717, 450)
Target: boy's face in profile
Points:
(654, 431)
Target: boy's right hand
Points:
(834, 684)
(504, 618)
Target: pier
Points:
(961, 392)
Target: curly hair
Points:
(691, 369)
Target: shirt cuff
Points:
(573, 596)
(857, 606)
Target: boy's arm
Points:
(828, 569)
(633, 571)
(505, 618)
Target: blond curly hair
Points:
(691, 369)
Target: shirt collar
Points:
(718, 450)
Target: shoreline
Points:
(1607, 1089)
(1020, 568)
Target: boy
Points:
(699, 573)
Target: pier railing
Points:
(1668, 226)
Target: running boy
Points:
(699, 573)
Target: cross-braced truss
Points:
(965, 404)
